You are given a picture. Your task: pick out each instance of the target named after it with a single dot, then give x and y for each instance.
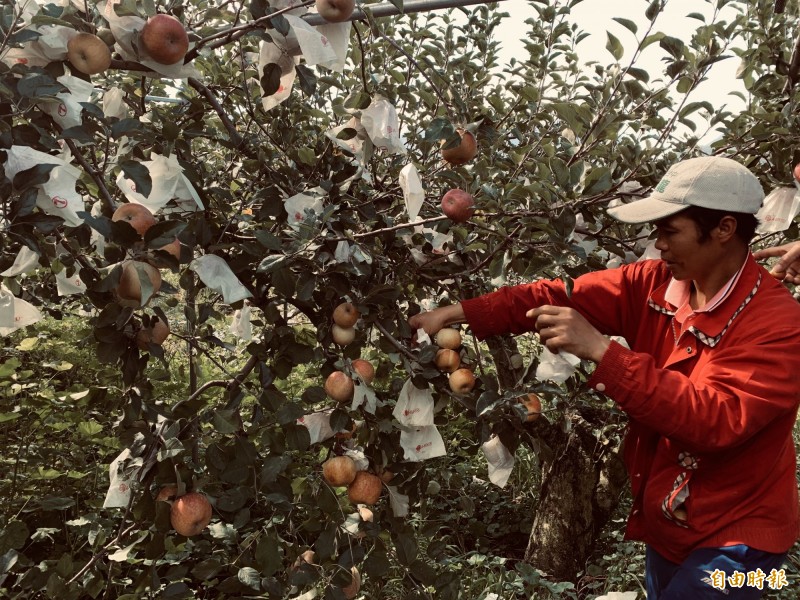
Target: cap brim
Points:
(645, 210)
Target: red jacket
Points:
(710, 414)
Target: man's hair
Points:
(708, 218)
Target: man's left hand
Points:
(562, 328)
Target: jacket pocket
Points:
(675, 505)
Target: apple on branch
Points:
(164, 39)
(462, 381)
(190, 514)
(458, 205)
(339, 386)
(137, 216)
(88, 53)
(129, 288)
(466, 150)
(448, 338)
(335, 11)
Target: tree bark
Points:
(581, 485)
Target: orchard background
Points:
(300, 172)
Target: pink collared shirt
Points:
(678, 294)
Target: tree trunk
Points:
(581, 485)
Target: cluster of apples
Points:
(163, 39)
(128, 291)
(363, 487)
(448, 360)
(190, 514)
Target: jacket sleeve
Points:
(597, 296)
(733, 397)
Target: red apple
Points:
(365, 489)
(335, 11)
(152, 334)
(339, 386)
(365, 369)
(129, 288)
(88, 53)
(462, 381)
(447, 360)
(342, 335)
(137, 216)
(533, 405)
(190, 514)
(464, 152)
(346, 315)
(339, 470)
(164, 39)
(448, 338)
(458, 205)
(796, 172)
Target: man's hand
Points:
(562, 328)
(432, 321)
(788, 267)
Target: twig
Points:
(105, 195)
(236, 139)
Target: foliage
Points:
(557, 142)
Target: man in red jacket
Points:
(709, 382)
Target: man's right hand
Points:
(432, 321)
(788, 267)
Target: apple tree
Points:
(289, 166)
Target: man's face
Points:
(687, 257)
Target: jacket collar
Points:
(709, 327)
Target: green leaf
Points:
(29, 178)
(672, 45)
(39, 86)
(249, 577)
(125, 127)
(271, 79)
(376, 564)
(652, 11)
(139, 174)
(306, 79)
(627, 23)
(79, 134)
(614, 46)
(406, 548)
(163, 233)
(89, 428)
(272, 263)
(13, 536)
(268, 555)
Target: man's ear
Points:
(726, 229)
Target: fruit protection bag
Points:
(215, 273)
(26, 261)
(119, 489)
(413, 192)
(318, 425)
(323, 45)
(240, 324)
(168, 183)
(779, 209)
(556, 367)
(500, 461)
(56, 196)
(67, 111)
(15, 313)
(421, 443)
(414, 406)
(382, 125)
(276, 52)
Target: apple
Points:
(386, 476)
(466, 150)
(448, 338)
(796, 172)
(88, 53)
(339, 386)
(462, 381)
(346, 315)
(306, 558)
(190, 514)
(344, 434)
(458, 205)
(365, 370)
(351, 590)
(173, 248)
(335, 11)
(365, 489)
(343, 335)
(447, 360)
(137, 216)
(129, 288)
(155, 333)
(168, 492)
(534, 406)
(339, 470)
(164, 39)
